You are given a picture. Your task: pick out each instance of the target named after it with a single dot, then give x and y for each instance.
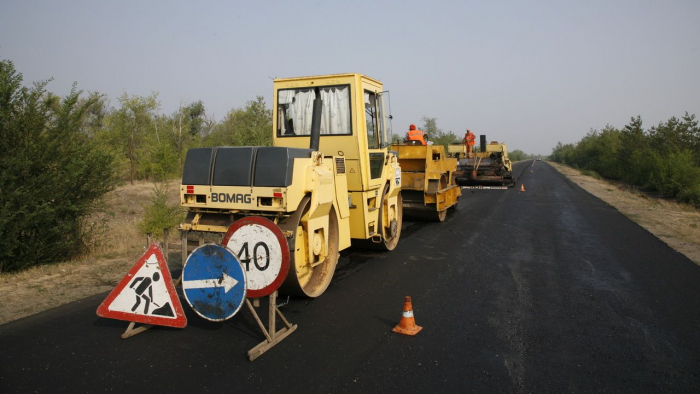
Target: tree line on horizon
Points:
(664, 158)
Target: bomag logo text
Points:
(231, 198)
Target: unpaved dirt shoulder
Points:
(678, 225)
(44, 287)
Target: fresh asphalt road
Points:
(550, 290)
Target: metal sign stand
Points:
(272, 335)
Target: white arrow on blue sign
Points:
(214, 282)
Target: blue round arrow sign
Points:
(214, 282)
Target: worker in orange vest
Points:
(415, 136)
(469, 142)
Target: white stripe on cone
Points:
(408, 313)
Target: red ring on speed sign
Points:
(263, 252)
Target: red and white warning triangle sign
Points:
(146, 294)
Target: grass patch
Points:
(592, 174)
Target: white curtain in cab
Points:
(300, 109)
(284, 98)
(335, 118)
(335, 113)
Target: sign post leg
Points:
(131, 331)
(165, 241)
(183, 248)
(272, 335)
(272, 324)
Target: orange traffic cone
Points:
(522, 187)
(407, 326)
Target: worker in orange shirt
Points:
(414, 136)
(469, 142)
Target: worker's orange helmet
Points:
(412, 127)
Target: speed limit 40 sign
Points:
(263, 252)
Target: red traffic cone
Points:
(522, 187)
(407, 326)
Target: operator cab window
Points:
(371, 120)
(375, 132)
(295, 111)
(374, 119)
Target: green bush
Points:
(663, 158)
(676, 175)
(52, 175)
(691, 195)
(592, 174)
(160, 214)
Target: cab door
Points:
(377, 141)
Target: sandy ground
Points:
(41, 288)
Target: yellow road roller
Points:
(329, 179)
(428, 188)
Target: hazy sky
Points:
(529, 73)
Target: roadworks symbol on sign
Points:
(146, 294)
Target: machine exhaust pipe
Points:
(316, 122)
(482, 141)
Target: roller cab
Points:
(354, 128)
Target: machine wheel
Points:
(509, 181)
(307, 278)
(391, 232)
(441, 185)
(455, 206)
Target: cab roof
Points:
(345, 75)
